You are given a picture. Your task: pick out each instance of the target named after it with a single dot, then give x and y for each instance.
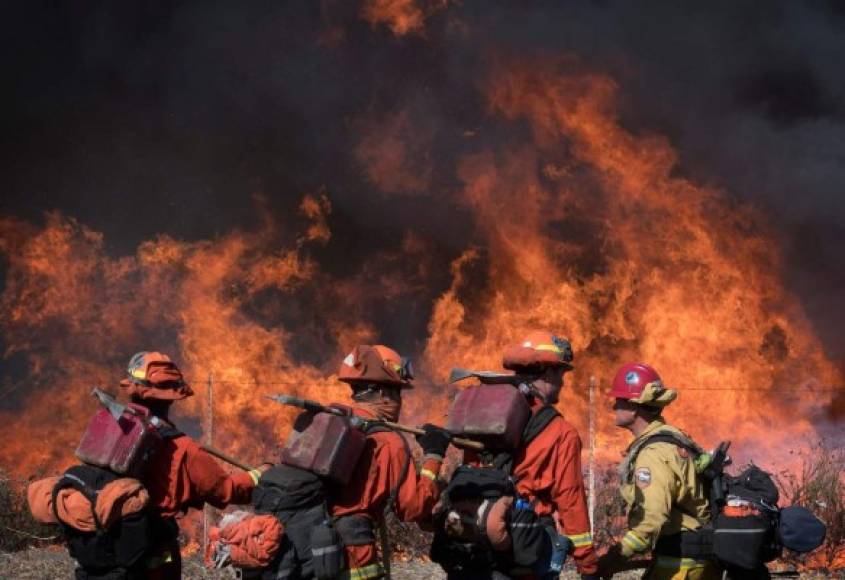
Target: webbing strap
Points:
(535, 426)
(167, 431)
(538, 423)
(626, 468)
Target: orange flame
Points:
(402, 17)
(580, 226)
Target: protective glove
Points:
(435, 440)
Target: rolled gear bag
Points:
(245, 540)
(800, 530)
(115, 548)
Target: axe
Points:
(489, 377)
(116, 410)
(315, 407)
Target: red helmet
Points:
(640, 383)
(539, 349)
(376, 364)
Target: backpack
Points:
(467, 502)
(313, 542)
(743, 529)
(121, 545)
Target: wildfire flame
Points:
(578, 224)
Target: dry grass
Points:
(18, 529)
(820, 487)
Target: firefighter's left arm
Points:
(655, 487)
(211, 483)
(570, 500)
(419, 491)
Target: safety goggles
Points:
(406, 369)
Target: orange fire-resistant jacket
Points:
(548, 472)
(376, 475)
(181, 476)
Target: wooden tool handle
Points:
(457, 440)
(227, 458)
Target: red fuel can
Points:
(122, 445)
(325, 444)
(492, 414)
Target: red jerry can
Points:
(325, 444)
(122, 445)
(493, 414)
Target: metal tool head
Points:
(486, 377)
(108, 401)
(307, 404)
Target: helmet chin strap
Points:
(529, 390)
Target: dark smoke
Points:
(146, 117)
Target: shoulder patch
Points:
(642, 477)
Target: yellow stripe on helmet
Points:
(549, 347)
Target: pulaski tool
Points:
(315, 407)
(118, 410)
(489, 377)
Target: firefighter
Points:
(665, 496)
(179, 475)
(548, 470)
(385, 477)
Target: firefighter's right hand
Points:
(435, 440)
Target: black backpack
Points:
(469, 556)
(118, 547)
(747, 541)
(111, 552)
(744, 542)
(312, 545)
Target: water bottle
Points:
(561, 546)
(522, 504)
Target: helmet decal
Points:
(632, 378)
(349, 360)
